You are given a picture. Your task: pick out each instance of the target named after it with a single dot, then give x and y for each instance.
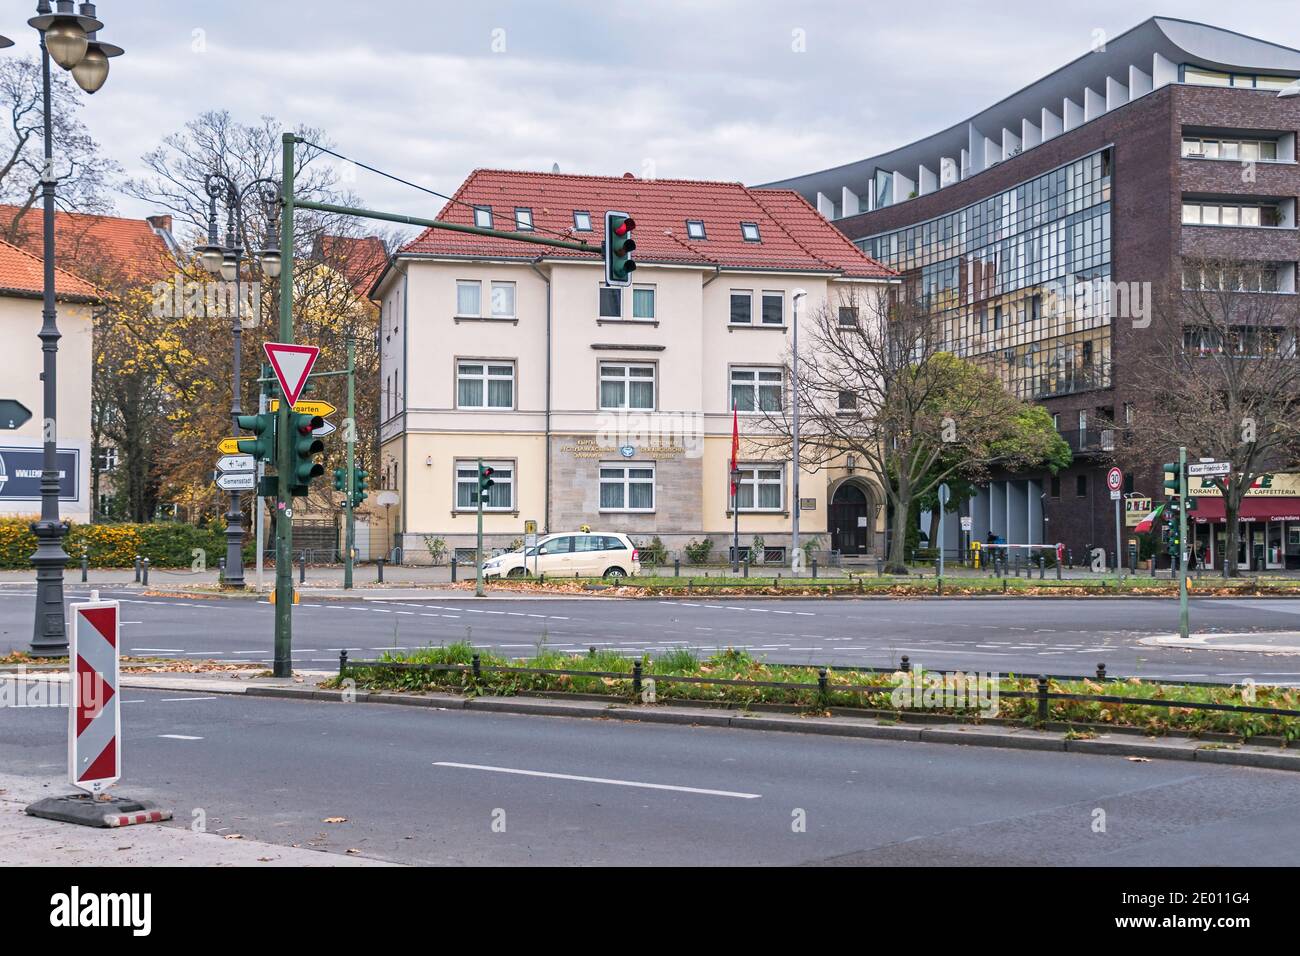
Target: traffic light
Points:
(262, 448)
(304, 466)
(359, 486)
(1172, 476)
(340, 479)
(485, 473)
(618, 248)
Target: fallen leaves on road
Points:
(1138, 759)
(335, 820)
(233, 836)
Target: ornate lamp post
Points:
(227, 261)
(70, 40)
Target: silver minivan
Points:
(584, 554)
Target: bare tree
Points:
(84, 172)
(876, 380)
(1219, 374)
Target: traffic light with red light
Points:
(618, 248)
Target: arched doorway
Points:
(851, 519)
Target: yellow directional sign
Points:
(304, 407)
(227, 446)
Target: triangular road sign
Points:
(291, 364)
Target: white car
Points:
(581, 554)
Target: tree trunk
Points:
(897, 561)
(1231, 509)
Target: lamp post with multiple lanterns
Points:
(70, 39)
(227, 261)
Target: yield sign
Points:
(291, 364)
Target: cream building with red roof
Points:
(602, 406)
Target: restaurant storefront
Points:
(1268, 524)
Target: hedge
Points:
(165, 544)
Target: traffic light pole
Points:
(283, 666)
(1182, 542)
(478, 548)
(350, 436)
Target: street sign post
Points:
(94, 718)
(13, 414)
(1115, 482)
(943, 506)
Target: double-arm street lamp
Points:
(70, 39)
(227, 261)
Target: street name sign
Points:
(323, 409)
(13, 414)
(291, 365)
(237, 481)
(1209, 469)
(94, 721)
(231, 463)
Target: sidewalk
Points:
(28, 841)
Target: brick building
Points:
(1027, 226)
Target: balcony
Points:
(1090, 441)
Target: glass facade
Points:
(1020, 281)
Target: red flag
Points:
(735, 445)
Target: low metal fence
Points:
(1041, 693)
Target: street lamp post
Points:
(227, 261)
(735, 517)
(70, 40)
(796, 556)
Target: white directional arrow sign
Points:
(229, 463)
(327, 429)
(237, 481)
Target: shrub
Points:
(697, 552)
(167, 544)
(653, 554)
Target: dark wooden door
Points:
(848, 518)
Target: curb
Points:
(1012, 739)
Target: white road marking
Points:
(612, 783)
(168, 700)
(178, 737)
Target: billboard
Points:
(20, 474)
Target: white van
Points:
(582, 554)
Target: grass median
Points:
(844, 689)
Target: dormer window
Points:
(523, 219)
(483, 217)
(695, 229)
(581, 220)
(749, 230)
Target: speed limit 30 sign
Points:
(1114, 479)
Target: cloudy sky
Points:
(749, 90)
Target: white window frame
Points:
(478, 286)
(748, 293)
(749, 477)
(625, 481)
(485, 378)
(627, 381)
(762, 301)
(757, 370)
(654, 303)
(600, 295)
(471, 464)
(503, 287)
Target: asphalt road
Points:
(1057, 636)
(427, 786)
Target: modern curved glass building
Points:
(1035, 228)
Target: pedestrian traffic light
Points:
(262, 448)
(304, 466)
(340, 479)
(618, 247)
(359, 486)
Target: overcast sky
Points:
(673, 88)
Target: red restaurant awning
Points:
(1253, 508)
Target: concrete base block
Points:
(82, 809)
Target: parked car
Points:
(568, 554)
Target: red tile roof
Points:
(794, 237)
(23, 274)
(92, 245)
(361, 260)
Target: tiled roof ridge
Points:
(88, 289)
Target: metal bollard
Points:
(1058, 569)
(1069, 552)
(905, 665)
(453, 569)
(144, 567)
(1042, 567)
(1101, 671)
(1042, 698)
(343, 662)
(745, 567)
(677, 567)
(137, 568)
(379, 566)
(636, 678)
(1004, 582)
(880, 567)
(85, 567)
(821, 681)
(1226, 567)
(814, 568)
(476, 666)
(302, 568)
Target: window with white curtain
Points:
(627, 487)
(624, 385)
(500, 497)
(469, 297)
(485, 384)
(761, 488)
(756, 389)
